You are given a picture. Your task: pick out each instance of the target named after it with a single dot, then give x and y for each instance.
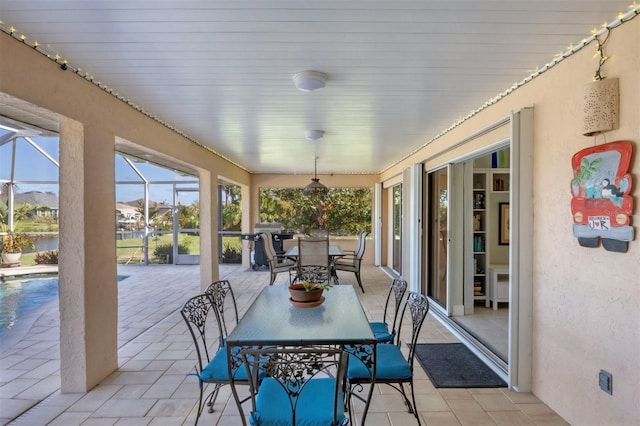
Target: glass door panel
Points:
(397, 229)
(438, 235)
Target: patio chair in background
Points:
(351, 261)
(211, 366)
(391, 366)
(313, 260)
(381, 329)
(301, 385)
(277, 264)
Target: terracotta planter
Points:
(299, 294)
(11, 258)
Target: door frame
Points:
(517, 372)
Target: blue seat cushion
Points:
(390, 364)
(379, 326)
(218, 370)
(314, 408)
(381, 331)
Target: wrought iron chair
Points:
(391, 366)
(211, 366)
(301, 386)
(381, 329)
(351, 262)
(276, 264)
(224, 302)
(313, 260)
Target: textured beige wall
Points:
(586, 302)
(93, 125)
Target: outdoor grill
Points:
(259, 257)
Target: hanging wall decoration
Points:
(601, 201)
(601, 105)
(601, 97)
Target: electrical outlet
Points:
(606, 381)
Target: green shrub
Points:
(164, 252)
(231, 254)
(47, 257)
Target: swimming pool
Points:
(18, 298)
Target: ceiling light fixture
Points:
(315, 187)
(313, 135)
(308, 81)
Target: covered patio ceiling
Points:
(399, 73)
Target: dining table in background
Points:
(335, 251)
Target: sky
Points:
(35, 172)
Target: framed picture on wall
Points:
(503, 225)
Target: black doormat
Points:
(453, 365)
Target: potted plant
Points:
(308, 292)
(12, 246)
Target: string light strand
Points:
(622, 18)
(64, 65)
(600, 51)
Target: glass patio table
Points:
(273, 321)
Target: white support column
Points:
(377, 223)
(412, 226)
(521, 251)
(208, 196)
(245, 225)
(88, 282)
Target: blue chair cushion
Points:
(315, 404)
(381, 331)
(379, 326)
(390, 364)
(217, 370)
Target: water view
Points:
(18, 298)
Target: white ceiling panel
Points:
(399, 72)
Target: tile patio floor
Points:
(151, 387)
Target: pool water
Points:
(19, 297)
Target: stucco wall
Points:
(92, 125)
(586, 302)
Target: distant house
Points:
(163, 209)
(46, 203)
(128, 213)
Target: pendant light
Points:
(315, 187)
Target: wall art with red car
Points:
(601, 201)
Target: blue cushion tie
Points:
(381, 331)
(218, 369)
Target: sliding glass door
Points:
(438, 235)
(396, 247)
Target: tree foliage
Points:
(231, 208)
(189, 216)
(342, 211)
